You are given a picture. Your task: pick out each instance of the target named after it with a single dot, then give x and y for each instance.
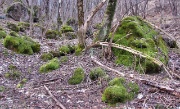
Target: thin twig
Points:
(52, 96)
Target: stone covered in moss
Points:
(119, 91)
(13, 33)
(51, 34)
(21, 44)
(49, 66)
(77, 77)
(66, 28)
(2, 34)
(139, 35)
(23, 26)
(96, 73)
(46, 56)
(64, 50)
(13, 27)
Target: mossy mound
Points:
(21, 44)
(66, 28)
(49, 66)
(77, 77)
(70, 35)
(51, 34)
(13, 33)
(119, 91)
(139, 35)
(23, 26)
(64, 59)
(2, 34)
(96, 73)
(13, 27)
(46, 56)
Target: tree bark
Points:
(31, 18)
(105, 30)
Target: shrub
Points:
(46, 56)
(63, 59)
(13, 27)
(77, 77)
(66, 28)
(119, 91)
(96, 73)
(22, 44)
(64, 50)
(49, 66)
(51, 34)
(13, 33)
(2, 34)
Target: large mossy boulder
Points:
(18, 11)
(139, 35)
(21, 44)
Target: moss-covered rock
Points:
(2, 34)
(96, 73)
(13, 27)
(21, 44)
(46, 56)
(66, 28)
(49, 66)
(139, 35)
(119, 91)
(64, 50)
(13, 33)
(51, 34)
(70, 35)
(23, 26)
(77, 77)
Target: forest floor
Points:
(86, 95)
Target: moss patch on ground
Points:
(21, 44)
(49, 66)
(51, 34)
(119, 91)
(2, 34)
(66, 28)
(96, 73)
(139, 35)
(77, 77)
(13, 27)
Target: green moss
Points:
(78, 50)
(64, 50)
(51, 34)
(119, 91)
(142, 38)
(13, 74)
(96, 73)
(46, 56)
(13, 27)
(71, 21)
(63, 59)
(21, 44)
(23, 26)
(49, 66)
(2, 88)
(77, 77)
(2, 34)
(1, 28)
(21, 83)
(13, 33)
(55, 53)
(70, 35)
(66, 28)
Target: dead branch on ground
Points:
(52, 96)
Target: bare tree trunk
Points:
(105, 30)
(81, 34)
(31, 18)
(59, 22)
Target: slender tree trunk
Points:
(105, 30)
(81, 33)
(31, 18)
